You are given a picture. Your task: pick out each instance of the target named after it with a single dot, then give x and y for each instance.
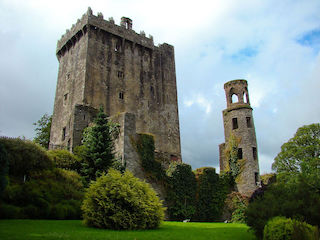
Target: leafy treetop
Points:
(43, 128)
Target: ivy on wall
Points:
(144, 144)
(234, 165)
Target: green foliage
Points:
(55, 194)
(99, 148)
(296, 194)
(64, 159)
(121, 201)
(25, 157)
(43, 128)
(211, 195)
(145, 147)
(300, 157)
(181, 192)
(297, 200)
(4, 166)
(280, 228)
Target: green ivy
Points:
(144, 144)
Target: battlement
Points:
(98, 22)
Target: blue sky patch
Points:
(311, 39)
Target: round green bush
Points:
(121, 201)
(280, 228)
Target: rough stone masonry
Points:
(103, 64)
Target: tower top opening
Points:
(237, 92)
(126, 22)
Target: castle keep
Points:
(103, 64)
(238, 121)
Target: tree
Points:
(299, 159)
(43, 128)
(99, 147)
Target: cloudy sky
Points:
(273, 44)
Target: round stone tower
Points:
(238, 121)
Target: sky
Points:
(272, 44)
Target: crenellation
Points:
(89, 19)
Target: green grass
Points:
(75, 230)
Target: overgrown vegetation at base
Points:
(280, 228)
(181, 191)
(121, 201)
(75, 230)
(211, 192)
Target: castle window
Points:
(117, 48)
(68, 76)
(234, 123)
(69, 143)
(254, 152)
(249, 122)
(240, 153)
(63, 133)
(121, 95)
(256, 178)
(66, 97)
(152, 91)
(120, 74)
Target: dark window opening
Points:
(84, 117)
(240, 153)
(121, 95)
(256, 178)
(120, 74)
(152, 91)
(69, 143)
(68, 76)
(254, 151)
(63, 134)
(117, 48)
(249, 122)
(234, 123)
(66, 96)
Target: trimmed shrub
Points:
(280, 228)
(25, 157)
(121, 201)
(181, 191)
(64, 159)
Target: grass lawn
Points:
(75, 230)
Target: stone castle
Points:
(103, 64)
